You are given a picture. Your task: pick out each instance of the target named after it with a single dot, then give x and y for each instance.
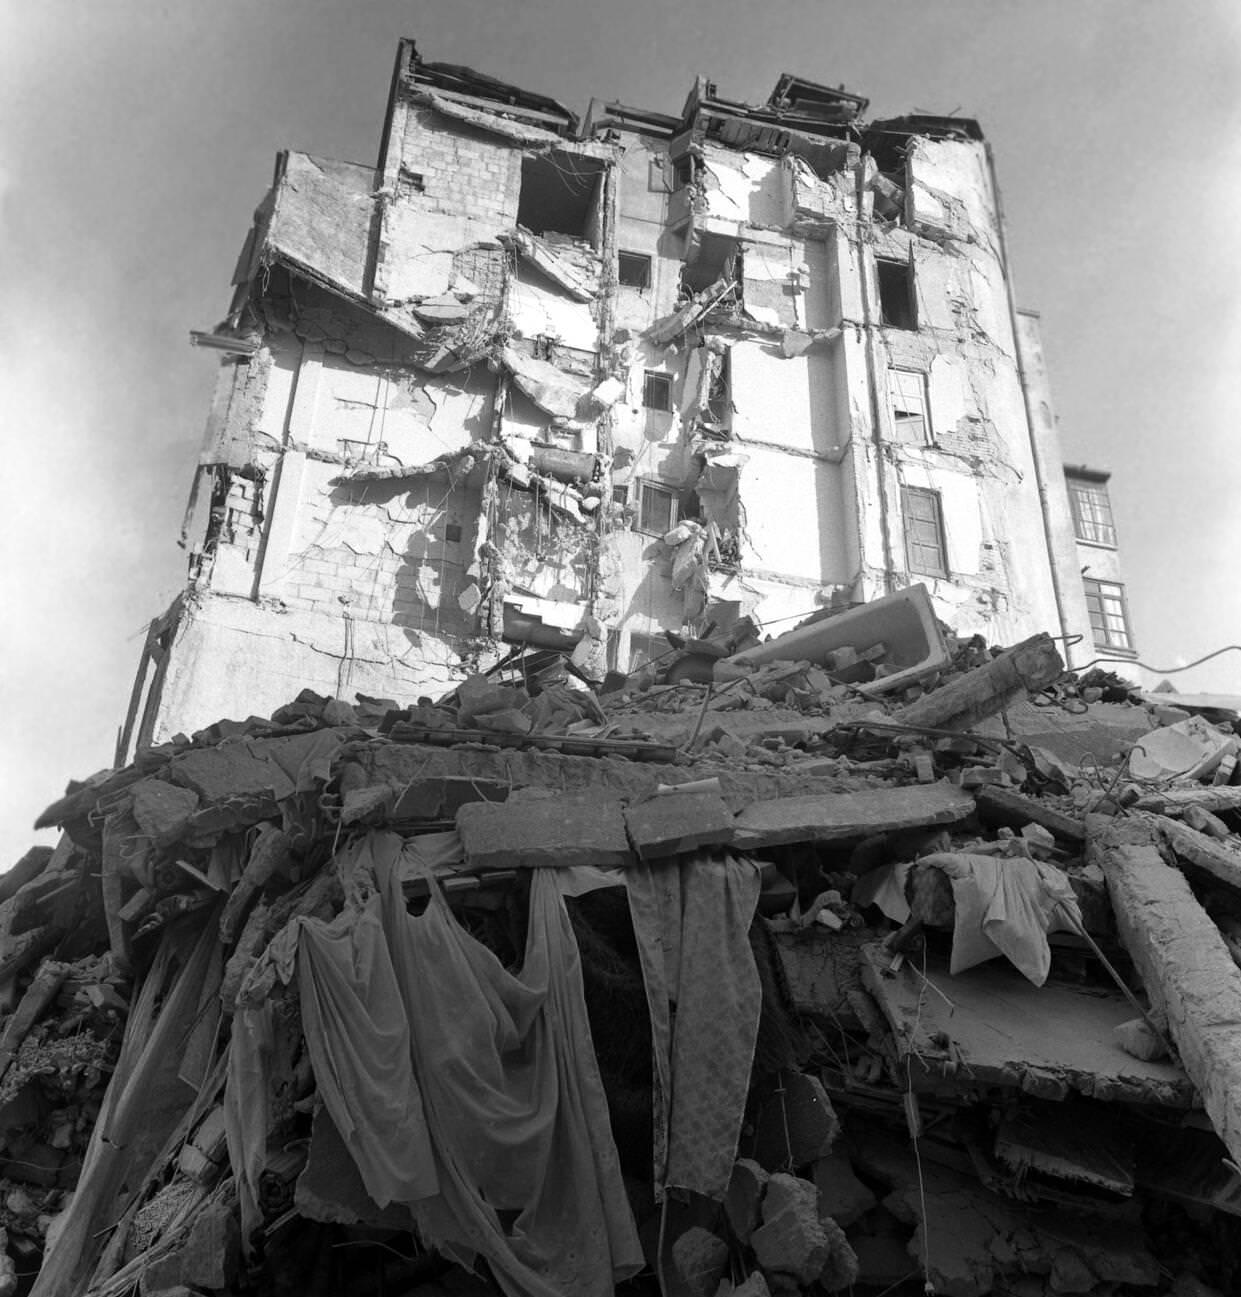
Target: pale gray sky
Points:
(137, 137)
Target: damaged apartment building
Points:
(575, 385)
(641, 869)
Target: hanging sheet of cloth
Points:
(1005, 905)
(691, 917)
(467, 1091)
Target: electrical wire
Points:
(1160, 671)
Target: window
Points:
(924, 531)
(620, 495)
(896, 295)
(559, 193)
(1092, 512)
(907, 392)
(683, 171)
(657, 508)
(657, 391)
(1109, 617)
(633, 269)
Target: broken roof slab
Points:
(990, 1027)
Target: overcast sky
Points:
(137, 137)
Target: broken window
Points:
(896, 294)
(633, 269)
(657, 391)
(657, 508)
(907, 392)
(560, 195)
(1092, 512)
(1109, 614)
(684, 171)
(925, 551)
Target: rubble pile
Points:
(807, 976)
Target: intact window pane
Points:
(1092, 513)
(924, 532)
(908, 398)
(1109, 616)
(657, 511)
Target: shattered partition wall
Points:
(525, 383)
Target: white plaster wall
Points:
(233, 658)
(743, 188)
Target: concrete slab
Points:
(836, 817)
(990, 1026)
(676, 822)
(530, 833)
(1185, 966)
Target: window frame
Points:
(1102, 634)
(908, 322)
(913, 561)
(642, 521)
(654, 379)
(924, 396)
(1103, 520)
(642, 258)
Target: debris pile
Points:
(792, 979)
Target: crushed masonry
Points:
(355, 978)
(658, 885)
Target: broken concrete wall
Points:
(1068, 556)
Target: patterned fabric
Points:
(691, 917)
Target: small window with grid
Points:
(1092, 512)
(1109, 614)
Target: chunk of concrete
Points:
(835, 817)
(744, 1199)
(677, 822)
(209, 1258)
(791, 1240)
(699, 1258)
(796, 1124)
(1014, 675)
(534, 832)
(1183, 961)
(842, 1196)
(1003, 806)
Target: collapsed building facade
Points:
(574, 385)
(651, 957)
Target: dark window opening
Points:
(411, 182)
(896, 295)
(633, 269)
(559, 195)
(907, 391)
(452, 533)
(1092, 513)
(925, 551)
(1109, 614)
(709, 259)
(620, 495)
(657, 391)
(684, 171)
(657, 508)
